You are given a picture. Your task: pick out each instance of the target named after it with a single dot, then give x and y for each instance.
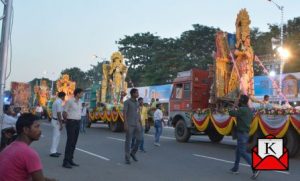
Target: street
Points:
(100, 154)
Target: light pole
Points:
(281, 45)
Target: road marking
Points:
(165, 137)
(93, 154)
(227, 161)
(118, 139)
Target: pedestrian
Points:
(39, 111)
(72, 115)
(243, 116)
(84, 118)
(132, 125)
(158, 123)
(19, 162)
(57, 123)
(144, 117)
(8, 127)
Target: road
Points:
(100, 154)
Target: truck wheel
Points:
(182, 133)
(147, 127)
(116, 126)
(89, 124)
(213, 135)
(252, 142)
(291, 141)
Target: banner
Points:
(161, 92)
(20, 94)
(290, 86)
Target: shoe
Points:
(54, 155)
(67, 165)
(133, 157)
(127, 162)
(233, 171)
(255, 174)
(58, 153)
(74, 164)
(143, 151)
(156, 144)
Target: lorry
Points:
(200, 99)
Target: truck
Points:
(201, 99)
(192, 114)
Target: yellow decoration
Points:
(64, 84)
(113, 80)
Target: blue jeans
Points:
(83, 124)
(241, 150)
(141, 146)
(158, 130)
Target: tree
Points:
(94, 74)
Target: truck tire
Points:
(291, 142)
(116, 126)
(213, 135)
(147, 127)
(182, 133)
(253, 140)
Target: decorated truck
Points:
(200, 99)
(109, 104)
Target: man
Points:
(84, 118)
(244, 116)
(144, 117)
(57, 123)
(158, 123)
(72, 114)
(132, 125)
(18, 161)
(39, 111)
(8, 127)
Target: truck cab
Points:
(190, 92)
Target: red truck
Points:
(192, 114)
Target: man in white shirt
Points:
(57, 123)
(8, 126)
(39, 111)
(158, 123)
(72, 115)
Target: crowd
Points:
(20, 162)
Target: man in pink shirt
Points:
(18, 161)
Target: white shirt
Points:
(57, 107)
(39, 109)
(9, 121)
(73, 109)
(158, 115)
(83, 112)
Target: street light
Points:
(281, 44)
(272, 73)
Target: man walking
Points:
(72, 114)
(132, 125)
(57, 123)
(244, 116)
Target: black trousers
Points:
(72, 127)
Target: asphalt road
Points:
(100, 154)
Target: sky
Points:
(51, 35)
